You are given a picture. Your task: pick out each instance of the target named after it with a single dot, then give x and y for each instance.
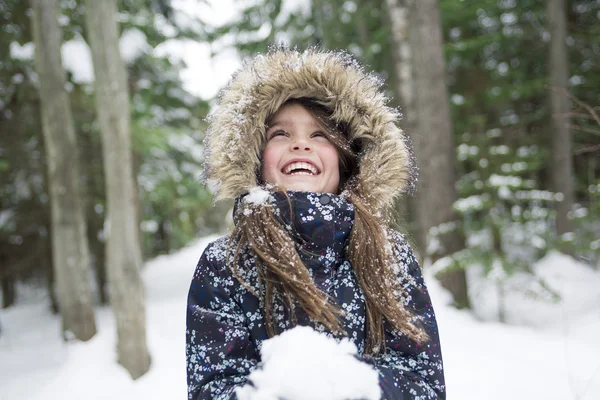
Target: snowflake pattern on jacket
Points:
(226, 327)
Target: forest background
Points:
(503, 132)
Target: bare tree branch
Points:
(592, 114)
(584, 129)
(589, 149)
(573, 114)
(590, 109)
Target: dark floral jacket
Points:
(226, 327)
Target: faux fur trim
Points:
(236, 134)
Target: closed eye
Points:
(278, 133)
(318, 134)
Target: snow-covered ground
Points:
(549, 351)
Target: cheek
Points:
(331, 160)
(270, 161)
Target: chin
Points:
(302, 188)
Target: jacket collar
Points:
(319, 223)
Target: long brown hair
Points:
(281, 270)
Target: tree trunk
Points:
(8, 290)
(361, 25)
(7, 281)
(562, 154)
(321, 37)
(123, 254)
(48, 270)
(434, 144)
(69, 240)
(95, 195)
(398, 15)
(402, 58)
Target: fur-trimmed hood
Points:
(236, 134)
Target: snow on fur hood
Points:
(236, 138)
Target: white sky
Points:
(204, 76)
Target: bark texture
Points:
(562, 153)
(433, 139)
(69, 236)
(398, 18)
(123, 254)
(7, 282)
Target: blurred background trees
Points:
(166, 124)
(512, 78)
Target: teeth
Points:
(300, 165)
(302, 173)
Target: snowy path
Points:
(556, 357)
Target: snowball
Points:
(303, 364)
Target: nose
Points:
(300, 144)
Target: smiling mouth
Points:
(301, 168)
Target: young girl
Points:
(305, 143)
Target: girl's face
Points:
(298, 155)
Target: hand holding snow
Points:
(303, 364)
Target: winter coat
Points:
(226, 326)
(225, 321)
